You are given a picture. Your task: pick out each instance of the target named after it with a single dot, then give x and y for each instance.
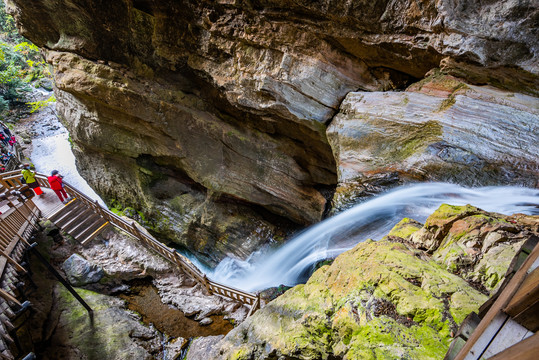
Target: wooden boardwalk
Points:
(83, 218)
(17, 221)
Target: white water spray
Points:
(291, 263)
(52, 151)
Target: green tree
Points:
(20, 64)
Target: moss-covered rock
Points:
(405, 228)
(378, 300)
(399, 298)
(473, 243)
(113, 333)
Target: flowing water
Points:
(292, 263)
(52, 151)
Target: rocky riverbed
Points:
(143, 307)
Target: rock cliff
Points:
(218, 108)
(439, 129)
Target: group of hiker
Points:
(7, 141)
(55, 182)
(4, 159)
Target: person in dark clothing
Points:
(55, 180)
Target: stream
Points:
(51, 150)
(293, 262)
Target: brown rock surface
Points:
(233, 95)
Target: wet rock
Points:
(114, 333)
(80, 271)
(174, 348)
(201, 347)
(205, 321)
(435, 131)
(123, 258)
(194, 301)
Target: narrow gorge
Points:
(226, 128)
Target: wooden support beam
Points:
(12, 262)
(7, 296)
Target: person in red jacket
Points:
(55, 180)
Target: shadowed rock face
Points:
(231, 98)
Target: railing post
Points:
(61, 279)
(98, 208)
(137, 231)
(207, 284)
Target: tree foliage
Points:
(20, 64)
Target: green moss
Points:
(405, 228)
(236, 134)
(405, 100)
(240, 354)
(447, 103)
(446, 213)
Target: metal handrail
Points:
(11, 180)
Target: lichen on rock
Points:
(477, 245)
(378, 299)
(402, 297)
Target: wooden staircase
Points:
(84, 218)
(79, 221)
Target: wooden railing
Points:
(11, 180)
(17, 220)
(16, 225)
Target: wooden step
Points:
(92, 222)
(65, 211)
(73, 215)
(95, 233)
(81, 221)
(91, 229)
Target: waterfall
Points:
(291, 263)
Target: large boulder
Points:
(377, 300)
(80, 271)
(401, 297)
(440, 129)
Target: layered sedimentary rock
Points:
(228, 100)
(439, 129)
(388, 299)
